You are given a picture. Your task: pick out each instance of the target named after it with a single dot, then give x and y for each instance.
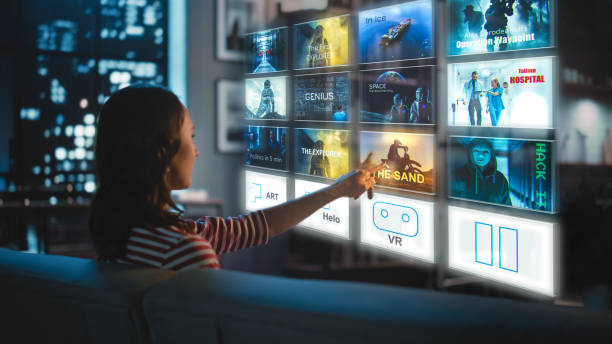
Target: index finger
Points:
(367, 163)
(374, 169)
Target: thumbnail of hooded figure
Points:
(479, 178)
(319, 164)
(420, 110)
(318, 49)
(474, 20)
(497, 22)
(266, 103)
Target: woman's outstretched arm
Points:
(285, 216)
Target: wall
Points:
(219, 174)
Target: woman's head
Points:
(143, 150)
(495, 83)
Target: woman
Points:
(495, 103)
(145, 149)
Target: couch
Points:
(54, 299)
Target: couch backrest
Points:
(47, 298)
(234, 308)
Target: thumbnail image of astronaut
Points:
(321, 43)
(323, 97)
(480, 26)
(321, 152)
(266, 147)
(503, 93)
(409, 159)
(509, 172)
(402, 95)
(265, 98)
(397, 32)
(267, 51)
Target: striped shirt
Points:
(173, 249)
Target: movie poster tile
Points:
(322, 152)
(322, 97)
(266, 98)
(321, 43)
(514, 93)
(398, 96)
(510, 172)
(409, 159)
(485, 26)
(397, 32)
(266, 147)
(266, 51)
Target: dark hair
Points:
(138, 134)
(474, 73)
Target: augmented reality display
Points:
(264, 190)
(504, 93)
(396, 32)
(332, 218)
(266, 147)
(266, 98)
(503, 248)
(400, 95)
(322, 152)
(409, 159)
(398, 224)
(321, 43)
(512, 172)
(323, 97)
(480, 26)
(266, 51)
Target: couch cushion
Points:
(47, 298)
(233, 307)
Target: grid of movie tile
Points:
(501, 142)
(367, 82)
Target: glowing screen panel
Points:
(332, 218)
(266, 147)
(481, 26)
(397, 32)
(409, 159)
(266, 51)
(264, 190)
(322, 152)
(504, 248)
(503, 93)
(266, 98)
(322, 97)
(398, 96)
(510, 172)
(321, 43)
(398, 224)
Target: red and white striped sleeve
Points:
(234, 233)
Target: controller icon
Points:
(395, 218)
(254, 192)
